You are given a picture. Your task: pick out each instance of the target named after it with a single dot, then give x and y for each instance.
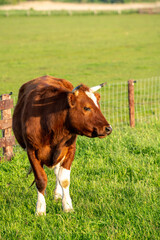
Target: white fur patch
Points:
(58, 188)
(41, 205)
(64, 174)
(92, 96)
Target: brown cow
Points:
(47, 119)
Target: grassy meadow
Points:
(115, 188)
(88, 49)
(115, 182)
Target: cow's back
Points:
(35, 89)
(42, 83)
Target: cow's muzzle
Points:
(108, 130)
(103, 132)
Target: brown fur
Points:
(47, 119)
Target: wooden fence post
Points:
(8, 140)
(131, 102)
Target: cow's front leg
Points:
(41, 181)
(64, 179)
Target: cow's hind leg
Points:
(64, 179)
(58, 188)
(41, 181)
(62, 187)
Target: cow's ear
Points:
(97, 95)
(71, 99)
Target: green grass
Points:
(88, 49)
(115, 182)
(115, 188)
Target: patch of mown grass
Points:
(115, 187)
(88, 49)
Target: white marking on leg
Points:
(41, 205)
(58, 188)
(92, 96)
(64, 179)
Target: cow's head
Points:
(85, 116)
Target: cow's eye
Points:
(87, 109)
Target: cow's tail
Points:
(32, 183)
(29, 171)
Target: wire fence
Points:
(115, 106)
(147, 100)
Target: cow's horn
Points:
(96, 88)
(76, 88)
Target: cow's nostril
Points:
(109, 129)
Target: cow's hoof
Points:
(57, 196)
(40, 213)
(67, 208)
